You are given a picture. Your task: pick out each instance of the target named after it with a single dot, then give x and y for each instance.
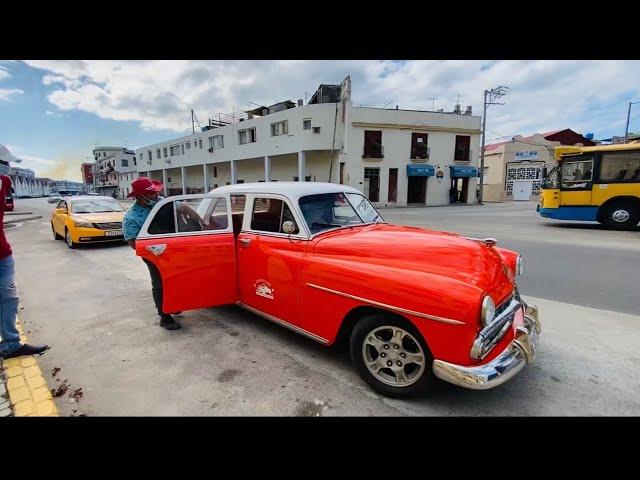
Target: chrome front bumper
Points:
(520, 351)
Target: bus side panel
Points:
(604, 191)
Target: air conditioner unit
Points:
(149, 162)
(168, 160)
(316, 129)
(211, 150)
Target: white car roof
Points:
(292, 190)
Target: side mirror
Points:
(288, 227)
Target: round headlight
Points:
(488, 310)
(519, 265)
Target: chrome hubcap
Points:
(393, 356)
(69, 241)
(620, 216)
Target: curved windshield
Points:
(325, 211)
(96, 206)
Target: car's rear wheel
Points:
(391, 355)
(69, 239)
(56, 236)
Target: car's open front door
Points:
(189, 238)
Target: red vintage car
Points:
(413, 304)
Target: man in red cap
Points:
(146, 193)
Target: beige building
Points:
(514, 169)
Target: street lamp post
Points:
(490, 97)
(626, 129)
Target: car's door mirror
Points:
(288, 227)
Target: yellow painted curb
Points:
(28, 391)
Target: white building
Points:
(114, 170)
(396, 157)
(26, 184)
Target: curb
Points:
(17, 220)
(27, 389)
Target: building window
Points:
(134, 161)
(240, 181)
(419, 148)
(306, 124)
(158, 153)
(247, 136)
(372, 184)
(174, 150)
(125, 162)
(279, 128)
(200, 143)
(215, 172)
(188, 145)
(316, 129)
(149, 155)
(182, 148)
(373, 144)
(463, 144)
(164, 152)
(216, 142)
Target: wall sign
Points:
(526, 155)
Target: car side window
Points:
(196, 215)
(269, 214)
(62, 204)
(164, 221)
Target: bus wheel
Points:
(621, 215)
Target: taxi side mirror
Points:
(288, 227)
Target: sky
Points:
(54, 112)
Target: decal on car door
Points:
(264, 289)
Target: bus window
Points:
(551, 180)
(577, 174)
(620, 167)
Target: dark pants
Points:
(156, 285)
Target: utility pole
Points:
(490, 97)
(626, 129)
(193, 123)
(433, 106)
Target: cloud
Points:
(58, 169)
(543, 95)
(4, 73)
(6, 93)
(49, 113)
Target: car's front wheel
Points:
(69, 239)
(391, 355)
(56, 236)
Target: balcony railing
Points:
(373, 151)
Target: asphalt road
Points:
(94, 306)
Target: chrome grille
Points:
(108, 225)
(495, 331)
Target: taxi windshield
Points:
(335, 210)
(96, 206)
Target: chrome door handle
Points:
(157, 249)
(245, 241)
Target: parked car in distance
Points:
(412, 304)
(8, 206)
(54, 198)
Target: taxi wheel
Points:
(68, 239)
(391, 356)
(56, 236)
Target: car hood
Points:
(100, 217)
(422, 250)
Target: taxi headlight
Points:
(519, 266)
(82, 223)
(488, 310)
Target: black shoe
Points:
(167, 321)
(27, 349)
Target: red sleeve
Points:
(6, 185)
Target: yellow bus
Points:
(600, 183)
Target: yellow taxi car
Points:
(87, 219)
